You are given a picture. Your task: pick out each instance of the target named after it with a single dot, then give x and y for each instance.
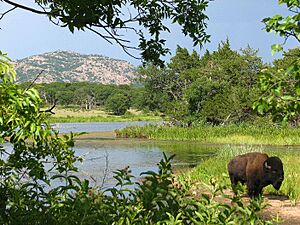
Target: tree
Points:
(289, 57)
(85, 96)
(118, 104)
(183, 60)
(223, 88)
(280, 86)
(109, 19)
(155, 80)
(168, 83)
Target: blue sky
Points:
(24, 34)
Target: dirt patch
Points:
(280, 208)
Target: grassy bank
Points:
(65, 115)
(233, 134)
(216, 167)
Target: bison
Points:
(257, 170)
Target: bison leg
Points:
(234, 183)
(254, 190)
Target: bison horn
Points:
(266, 165)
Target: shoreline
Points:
(97, 135)
(111, 135)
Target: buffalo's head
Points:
(273, 171)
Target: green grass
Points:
(216, 167)
(291, 184)
(68, 115)
(233, 134)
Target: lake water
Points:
(102, 157)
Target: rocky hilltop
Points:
(65, 66)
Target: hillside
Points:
(65, 66)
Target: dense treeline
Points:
(116, 98)
(219, 87)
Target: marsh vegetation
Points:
(232, 134)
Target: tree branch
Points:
(3, 14)
(101, 35)
(117, 40)
(124, 47)
(49, 110)
(28, 8)
(105, 170)
(30, 85)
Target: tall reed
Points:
(232, 134)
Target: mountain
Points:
(65, 66)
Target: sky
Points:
(23, 34)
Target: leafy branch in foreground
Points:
(285, 26)
(281, 94)
(30, 152)
(146, 20)
(281, 88)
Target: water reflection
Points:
(101, 158)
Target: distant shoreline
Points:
(97, 135)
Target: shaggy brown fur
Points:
(256, 170)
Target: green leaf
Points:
(288, 97)
(276, 48)
(262, 108)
